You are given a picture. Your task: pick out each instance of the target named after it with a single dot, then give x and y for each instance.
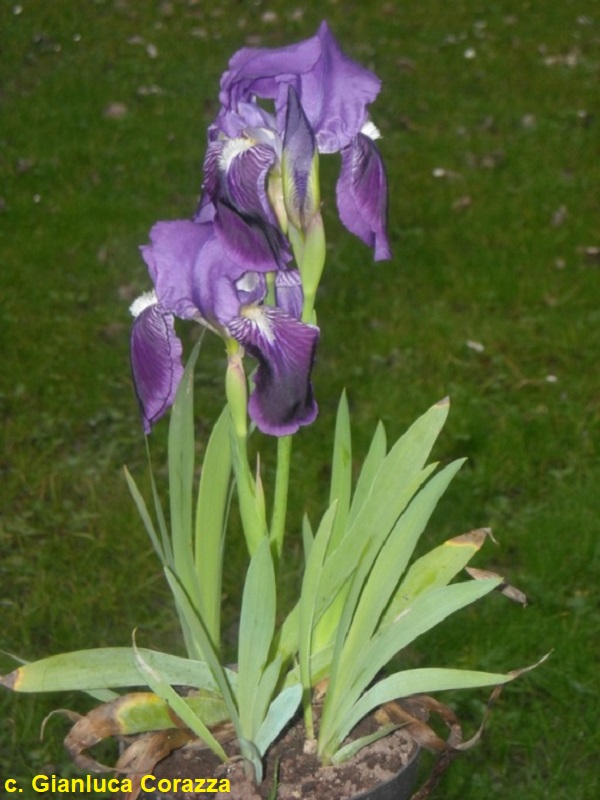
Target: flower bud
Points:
(299, 166)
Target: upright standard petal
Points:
(282, 399)
(335, 94)
(362, 196)
(171, 257)
(155, 361)
(333, 89)
(260, 71)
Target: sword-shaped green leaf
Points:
(257, 624)
(106, 668)
(341, 471)
(211, 518)
(436, 568)
(160, 686)
(417, 681)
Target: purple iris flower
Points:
(333, 92)
(261, 182)
(219, 281)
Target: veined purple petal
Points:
(288, 292)
(155, 362)
(282, 399)
(244, 178)
(362, 196)
(212, 171)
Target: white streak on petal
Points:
(371, 130)
(231, 149)
(248, 282)
(142, 302)
(262, 322)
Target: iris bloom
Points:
(333, 92)
(199, 275)
(229, 267)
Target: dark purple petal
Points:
(288, 292)
(362, 196)
(155, 362)
(244, 181)
(282, 399)
(250, 241)
(299, 148)
(212, 171)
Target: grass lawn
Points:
(489, 115)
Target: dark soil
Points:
(299, 774)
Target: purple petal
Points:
(335, 95)
(244, 182)
(362, 195)
(212, 172)
(256, 71)
(193, 272)
(333, 89)
(155, 362)
(214, 287)
(246, 116)
(171, 256)
(288, 292)
(251, 288)
(282, 399)
(250, 241)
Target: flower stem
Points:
(280, 497)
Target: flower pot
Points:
(385, 770)
(399, 787)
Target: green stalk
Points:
(250, 502)
(309, 725)
(282, 481)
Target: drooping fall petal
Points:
(362, 196)
(236, 171)
(155, 361)
(282, 399)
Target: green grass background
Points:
(489, 115)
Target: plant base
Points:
(385, 770)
